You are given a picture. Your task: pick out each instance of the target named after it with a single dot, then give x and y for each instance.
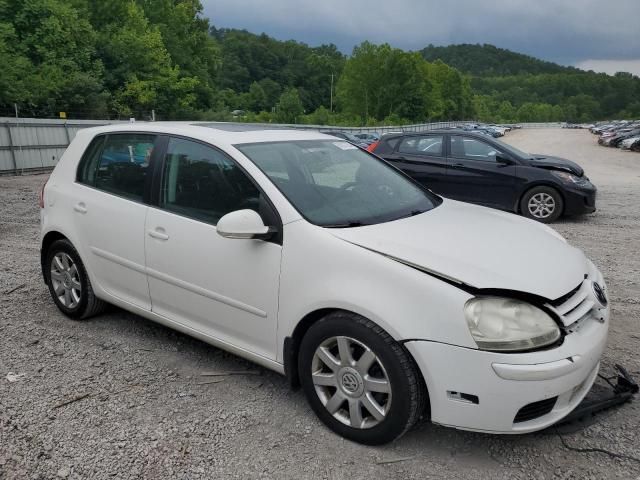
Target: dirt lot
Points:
(140, 411)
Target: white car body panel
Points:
(340, 275)
(228, 291)
(480, 247)
(411, 276)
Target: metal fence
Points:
(33, 145)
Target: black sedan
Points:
(478, 169)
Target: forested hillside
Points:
(488, 60)
(125, 58)
(509, 86)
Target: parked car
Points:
(617, 140)
(349, 137)
(610, 137)
(627, 143)
(474, 168)
(501, 129)
(320, 261)
(368, 138)
(607, 131)
(490, 130)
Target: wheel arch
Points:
(47, 241)
(292, 343)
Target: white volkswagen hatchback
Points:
(320, 261)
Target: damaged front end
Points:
(605, 394)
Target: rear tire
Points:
(359, 381)
(543, 204)
(69, 283)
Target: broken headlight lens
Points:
(571, 178)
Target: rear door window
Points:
(422, 145)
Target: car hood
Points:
(546, 161)
(479, 247)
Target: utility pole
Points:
(331, 104)
(15, 105)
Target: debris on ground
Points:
(14, 377)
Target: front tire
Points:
(359, 381)
(543, 204)
(69, 283)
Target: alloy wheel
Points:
(541, 205)
(351, 382)
(65, 280)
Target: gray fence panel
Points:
(4, 135)
(36, 144)
(6, 161)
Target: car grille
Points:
(535, 410)
(575, 305)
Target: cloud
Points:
(565, 31)
(611, 66)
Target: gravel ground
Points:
(137, 409)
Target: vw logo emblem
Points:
(349, 382)
(600, 295)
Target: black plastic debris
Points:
(612, 392)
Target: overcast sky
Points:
(606, 34)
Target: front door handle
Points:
(80, 208)
(158, 233)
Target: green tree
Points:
(289, 107)
(140, 71)
(379, 81)
(50, 62)
(320, 117)
(185, 35)
(257, 98)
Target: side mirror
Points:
(502, 158)
(243, 224)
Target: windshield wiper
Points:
(412, 213)
(345, 225)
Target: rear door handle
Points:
(80, 207)
(158, 233)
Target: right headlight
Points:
(505, 324)
(570, 177)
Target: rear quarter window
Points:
(87, 168)
(393, 142)
(117, 163)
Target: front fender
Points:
(320, 271)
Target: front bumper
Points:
(504, 384)
(579, 200)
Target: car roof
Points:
(218, 133)
(456, 131)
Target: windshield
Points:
(335, 184)
(512, 149)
